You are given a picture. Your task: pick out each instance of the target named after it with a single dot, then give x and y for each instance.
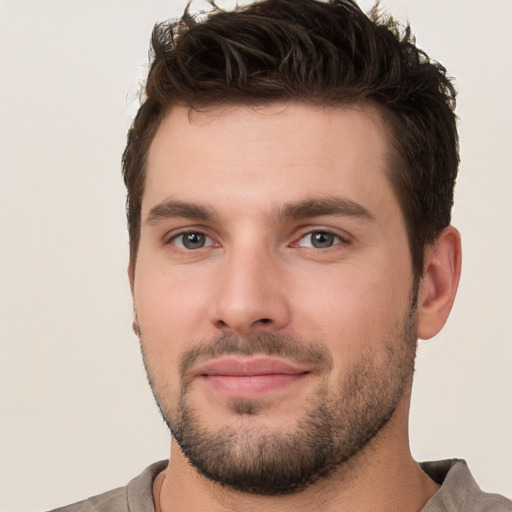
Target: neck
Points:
(383, 476)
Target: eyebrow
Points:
(324, 206)
(172, 208)
(291, 211)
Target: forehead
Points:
(268, 155)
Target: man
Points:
(290, 180)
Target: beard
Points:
(337, 423)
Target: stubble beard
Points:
(335, 426)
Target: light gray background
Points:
(77, 416)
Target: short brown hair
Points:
(323, 53)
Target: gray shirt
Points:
(458, 493)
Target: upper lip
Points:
(244, 367)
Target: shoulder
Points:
(111, 501)
(137, 496)
(459, 491)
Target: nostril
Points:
(265, 320)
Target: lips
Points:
(242, 367)
(249, 378)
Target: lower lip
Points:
(251, 386)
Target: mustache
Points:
(263, 343)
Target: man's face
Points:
(273, 290)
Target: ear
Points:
(439, 283)
(131, 278)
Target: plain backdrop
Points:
(76, 414)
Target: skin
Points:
(259, 272)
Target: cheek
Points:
(166, 319)
(354, 308)
(169, 309)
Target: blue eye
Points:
(192, 240)
(319, 240)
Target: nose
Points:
(251, 294)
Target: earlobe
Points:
(439, 283)
(135, 324)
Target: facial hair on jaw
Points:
(337, 424)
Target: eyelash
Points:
(210, 242)
(338, 239)
(182, 234)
